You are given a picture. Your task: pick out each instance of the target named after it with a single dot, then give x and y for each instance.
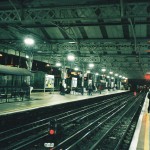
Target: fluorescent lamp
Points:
(28, 41)
(71, 57)
(91, 65)
(58, 64)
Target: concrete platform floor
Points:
(141, 138)
(42, 99)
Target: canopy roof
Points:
(14, 71)
(112, 34)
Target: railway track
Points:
(82, 128)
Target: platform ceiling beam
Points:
(112, 11)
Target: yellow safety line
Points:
(146, 140)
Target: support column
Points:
(95, 81)
(82, 83)
(118, 83)
(29, 67)
(63, 74)
(112, 83)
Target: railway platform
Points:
(141, 138)
(41, 99)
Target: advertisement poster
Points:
(74, 82)
(49, 81)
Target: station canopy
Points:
(111, 34)
(7, 70)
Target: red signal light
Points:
(147, 76)
(51, 132)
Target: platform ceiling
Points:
(114, 34)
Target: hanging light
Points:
(110, 72)
(58, 64)
(103, 69)
(71, 57)
(76, 68)
(72, 42)
(27, 56)
(91, 65)
(47, 65)
(96, 74)
(28, 41)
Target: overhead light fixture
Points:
(71, 57)
(76, 68)
(88, 71)
(110, 72)
(96, 74)
(103, 69)
(47, 65)
(91, 65)
(58, 64)
(108, 76)
(120, 76)
(116, 75)
(72, 42)
(28, 41)
(1, 55)
(27, 56)
(39, 51)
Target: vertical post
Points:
(63, 73)
(44, 84)
(82, 84)
(29, 66)
(95, 81)
(121, 8)
(120, 85)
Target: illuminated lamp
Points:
(76, 68)
(110, 72)
(58, 64)
(72, 42)
(27, 56)
(71, 57)
(47, 65)
(103, 69)
(91, 65)
(28, 41)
